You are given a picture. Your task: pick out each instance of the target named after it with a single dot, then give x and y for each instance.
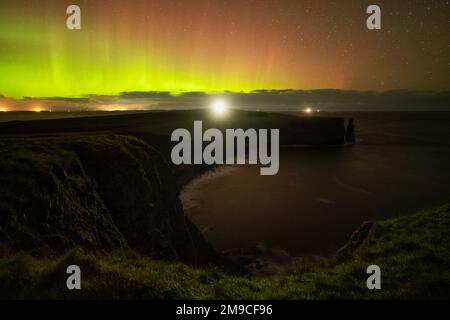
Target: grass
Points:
(412, 251)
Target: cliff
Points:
(100, 192)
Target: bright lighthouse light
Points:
(219, 107)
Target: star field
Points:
(217, 45)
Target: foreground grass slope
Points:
(413, 252)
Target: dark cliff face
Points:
(101, 192)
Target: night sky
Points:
(212, 46)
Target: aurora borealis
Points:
(213, 46)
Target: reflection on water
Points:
(399, 165)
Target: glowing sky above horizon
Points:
(212, 46)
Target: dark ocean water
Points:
(400, 164)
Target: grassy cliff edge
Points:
(412, 252)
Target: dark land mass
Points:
(155, 129)
(100, 192)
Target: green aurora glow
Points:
(212, 46)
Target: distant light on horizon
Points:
(219, 107)
(308, 110)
